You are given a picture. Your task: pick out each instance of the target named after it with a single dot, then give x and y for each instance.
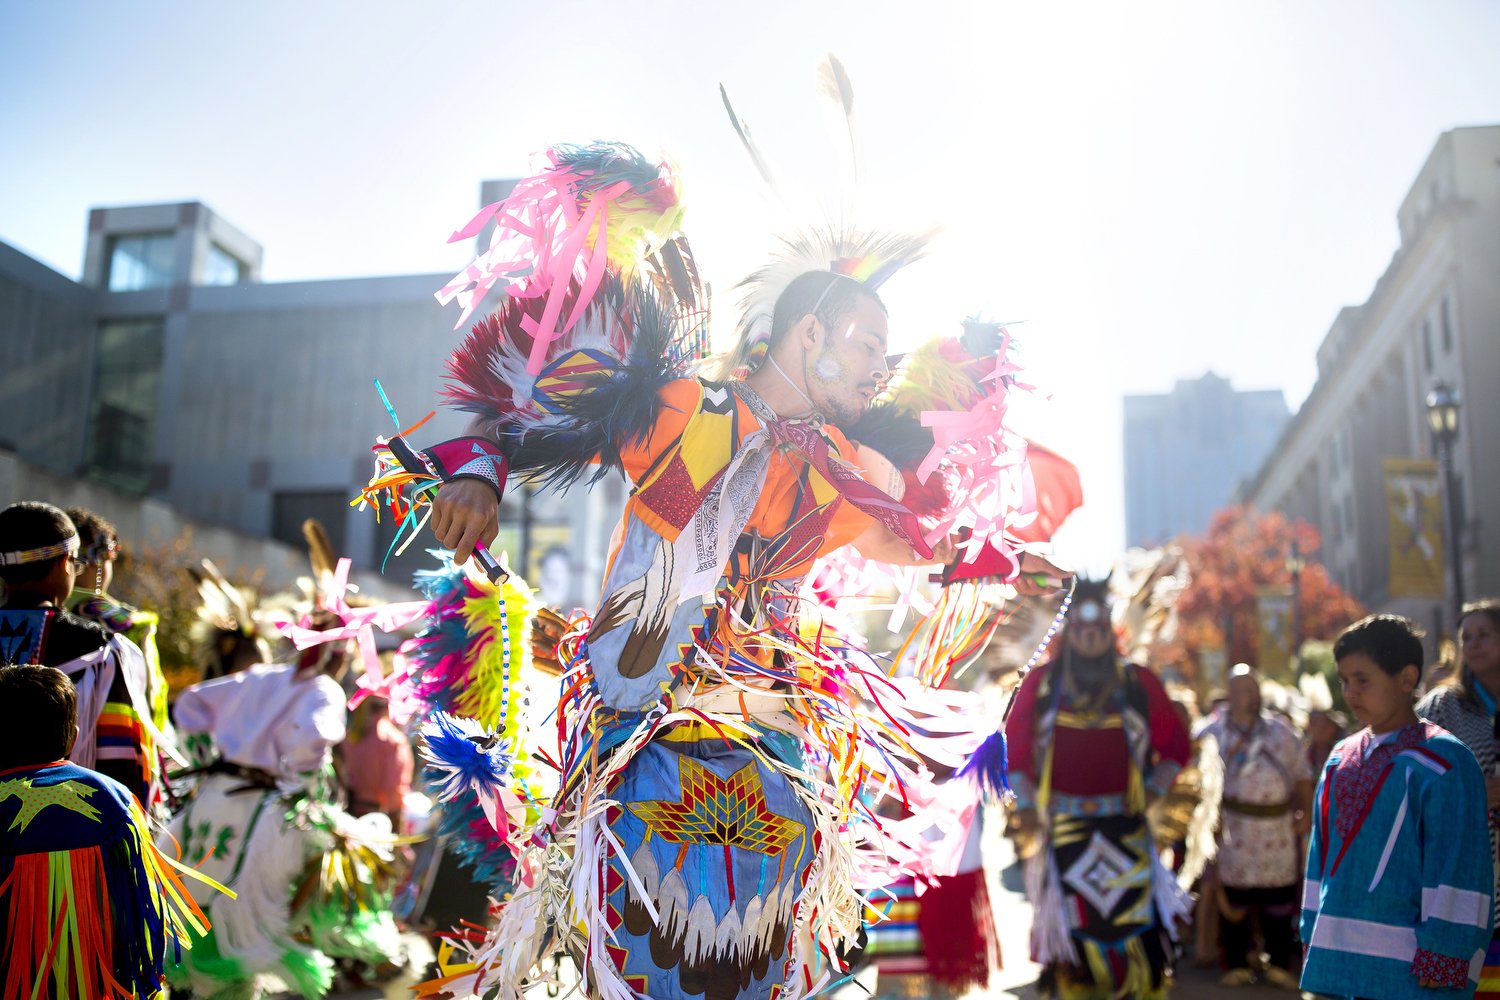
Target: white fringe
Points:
(1051, 933)
(1173, 905)
(1202, 831)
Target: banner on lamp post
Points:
(1414, 515)
(1273, 617)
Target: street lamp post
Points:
(1295, 564)
(1442, 419)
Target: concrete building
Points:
(1188, 450)
(1433, 315)
(172, 371)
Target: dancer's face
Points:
(845, 364)
(1089, 633)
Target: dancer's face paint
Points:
(848, 367)
(1088, 631)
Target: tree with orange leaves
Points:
(1243, 551)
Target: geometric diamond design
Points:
(729, 811)
(1094, 874)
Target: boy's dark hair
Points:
(1391, 641)
(31, 524)
(43, 715)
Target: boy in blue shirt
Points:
(1399, 874)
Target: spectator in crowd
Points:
(1264, 811)
(1397, 901)
(376, 762)
(1465, 706)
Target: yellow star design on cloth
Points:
(70, 795)
(730, 811)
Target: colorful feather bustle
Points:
(470, 662)
(598, 395)
(604, 305)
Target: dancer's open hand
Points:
(464, 512)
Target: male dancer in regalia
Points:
(703, 840)
(1092, 738)
(739, 486)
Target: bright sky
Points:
(1157, 189)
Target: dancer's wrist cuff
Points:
(470, 458)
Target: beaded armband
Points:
(469, 458)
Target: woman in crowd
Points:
(1464, 705)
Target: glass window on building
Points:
(141, 260)
(127, 378)
(330, 508)
(222, 267)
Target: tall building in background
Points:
(1346, 462)
(1187, 451)
(171, 371)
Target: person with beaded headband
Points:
(1091, 739)
(39, 553)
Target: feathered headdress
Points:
(867, 255)
(226, 622)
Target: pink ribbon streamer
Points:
(359, 625)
